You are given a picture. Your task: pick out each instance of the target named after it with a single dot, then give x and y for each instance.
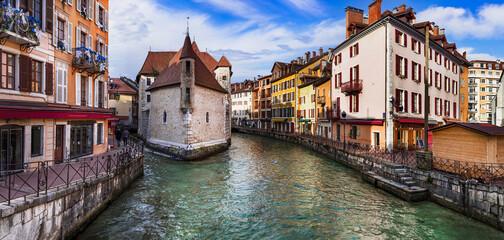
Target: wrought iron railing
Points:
(38, 178)
(484, 172)
(17, 21)
(351, 87)
(88, 60)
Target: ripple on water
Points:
(266, 189)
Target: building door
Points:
(338, 132)
(292, 127)
(376, 140)
(60, 140)
(326, 133)
(11, 148)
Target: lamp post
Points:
(343, 115)
(115, 86)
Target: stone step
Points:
(406, 179)
(409, 183)
(403, 174)
(393, 165)
(400, 170)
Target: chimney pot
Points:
(441, 31)
(436, 30)
(314, 54)
(353, 15)
(402, 8)
(321, 51)
(374, 11)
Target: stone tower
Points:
(223, 76)
(187, 86)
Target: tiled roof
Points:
(124, 88)
(484, 128)
(203, 73)
(223, 62)
(155, 62)
(321, 81)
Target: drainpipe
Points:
(389, 116)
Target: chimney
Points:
(321, 51)
(375, 11)
(436, 30)
(402, 8)
(441, 31)
(353, 15)
(464, 54)
(307, 56)
(366, 20)
(314, 54)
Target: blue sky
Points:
(254, 34)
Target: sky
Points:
(255, 34)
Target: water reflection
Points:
(267, 189)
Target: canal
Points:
(263, 188)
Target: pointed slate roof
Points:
(203, 70)
(223, 62)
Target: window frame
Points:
(10, 77)
(40, 150)
(37, 76)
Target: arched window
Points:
(207, 118)
(165, 116)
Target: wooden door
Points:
(60, 139)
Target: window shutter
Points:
(357, 103)
(90, 11)
(441, 106)
(78, 5)
(420, 48)
(105, 94)
(357, 72)
(420, 103)
(397, 36)
(97, 13)
(49, 79)
(335, 80)
(405, 40)
(106, 55)
(454, 110)
(69, 38)
(339, 79)
(78, 37)
(406, 67)
(412, 70)
(351, 51)
(405, 101)
(70, 2)
(25, 67)
(430, 77)
(90, 92)
(91, 42)
(340, 58)
(106, 21)
(49, 17)
(351, 101)
(428, 105)
(430, 53)
(412, 44)
(412, 102)
(55, 29)
(420, 73)
(357, 49)
(398, 97)
(398, 65)
(77, 89)
(351, 74)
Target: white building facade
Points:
(484, 82)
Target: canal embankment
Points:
(77, 192)
(477, 200)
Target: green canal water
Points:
(268, 189)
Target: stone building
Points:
(190, 105)
(241, 101)
(125, 109)
(261, 103)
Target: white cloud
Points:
(237, 8)
(462, 23)
(252, 49)
(311, 7)
(471, 55)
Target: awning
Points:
(278, 120)
(304, 120)
(363, 122)
(17, 113)
(416, 121)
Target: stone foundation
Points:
(190, 152)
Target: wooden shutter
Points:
(412, 44)
(441, 106)
(90, 92)
(357, 103)
(398, 64)
(91, 42)
(25, 70)
(77, 89)
(428, 105)
(405, 101)
(351, 101)
(398, 97)
(357, 72)
(105, 94)
(405, 40)
(351, 51)
(420, 73)
(49, 79)
(430, 53)
(420, 47)
(412, 102)
(340, 58)
(78, 37)
(106, 21)
(55, 29)
(454, 110)
(78, 5)
(357, 49)
(412, 70)
(430, 77)
(406, 68)
(397, 36)
(97, 13)
(339, 79)
(338, 104)
(69, 37)
(351, 74)
(420, 103)
(90, 11)
(106, 55)
(49, 17)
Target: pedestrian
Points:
(118, 135)
(125, 136)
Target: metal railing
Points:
(351, 87)
(488, 173)
(17, 21)
(37, 178)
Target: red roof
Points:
(123, 87)
(156, 62)
(484, 128)
(223, 62)
(204, 64)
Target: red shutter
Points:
(339, 79)
(340, 58)
(435, 105)
(357, 103)
(412, 70)
(430, 77)
(49, 79)
(351, 74)
(405, 40)
(406, 68)
(335, 80)
(25, 67)
(357, 72)
(412, 44)
(420, 48)
(420, 73)
(454, 110)
(412, 102)
(350, 104)
(357, 49)
(441, 107)
(405, 101)
(351, 51)
(397, 96)
(338, 104)
(420, 103)
(397, 36)
(430, 53)
(398, 65)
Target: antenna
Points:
(187, 26)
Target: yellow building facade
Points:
(306, 108)
(283, 103)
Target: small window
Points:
(165, 117)
(36, 141)
(148, 97)
(99, 134)
(224, 78)
(207, 117)
(188, 67)
(148, 81)
(188, 95)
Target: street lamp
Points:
(115, 86)
(343, 115)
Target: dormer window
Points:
(188, 67)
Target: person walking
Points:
(118, 135)
(125, 136)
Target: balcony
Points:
(352, 87)
(473, 110)
(321, 100)
(19, 27)
(84, 59)
(334, 114)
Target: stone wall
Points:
(482, 202)
(213, 102)
(167, 99)
(63, 213)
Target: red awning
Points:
(410, 120)
(17, 113)
(364, 122)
